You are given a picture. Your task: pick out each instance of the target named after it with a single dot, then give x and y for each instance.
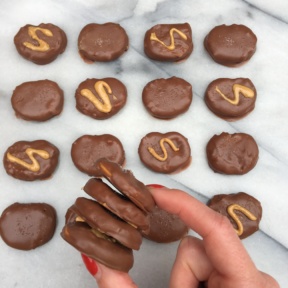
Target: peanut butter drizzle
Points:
(171, 47)
(43, 46)
(162, 141)
(102, 88)
(237, 89)
(34, 166)
(232, 214)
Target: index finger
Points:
(223, 247)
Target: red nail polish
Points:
(90, 264)
(155, 186)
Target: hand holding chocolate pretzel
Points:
(219, 260)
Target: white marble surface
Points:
(56, 264)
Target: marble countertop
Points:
(57, 264)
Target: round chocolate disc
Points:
(102, 42)
(165, 153)
(231, 99)
(167, 98)
(37, 100)
(88, 149)
(243, 210)
(231, 45)
(168, 42)
(100, 98)
(31, 161)
(27, 226)
(40, 44)
(233, 154)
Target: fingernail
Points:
(90, 264)
(155, 186)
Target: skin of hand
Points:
(219, 259)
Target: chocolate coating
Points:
(233, 154)
(37, 100)
(102, 42)
(167, 98)
(46, 166)
(225, 109)
(27, 226)
(175, 160)
(88, 149)
(100, 219)
(160, 51)
(126, 183)
(117, 204)
(56, 43)
(221, 202)
(231, 45)
(113, 255)
(165, 227)
(116, 99)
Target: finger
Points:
(191, 264)
(222, 244)
(107, 277)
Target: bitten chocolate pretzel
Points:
(40, 44)
(243, 210)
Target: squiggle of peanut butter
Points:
(237, 89)
(232, 214)
(43, 46)
(101, 88)
(34, 166)
(162, 141)
(153, 37)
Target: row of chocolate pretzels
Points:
(230, 99)
(228, 45)
(163, 153)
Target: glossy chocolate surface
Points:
(99, 218)
(55, 42)
(113, 255)
(37, 100)
(221, 202)
(221, 99)
(27, 226)
(88, 149)
(163, 49)
(233, 154)
(102, 42)
(165, 227)
(117, 204)
(102, 103)
(126, 183)
(231, 45)
(167, 98)
(175, 160)
(19, 152)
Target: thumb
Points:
(107, 277)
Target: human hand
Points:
(220, 259)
